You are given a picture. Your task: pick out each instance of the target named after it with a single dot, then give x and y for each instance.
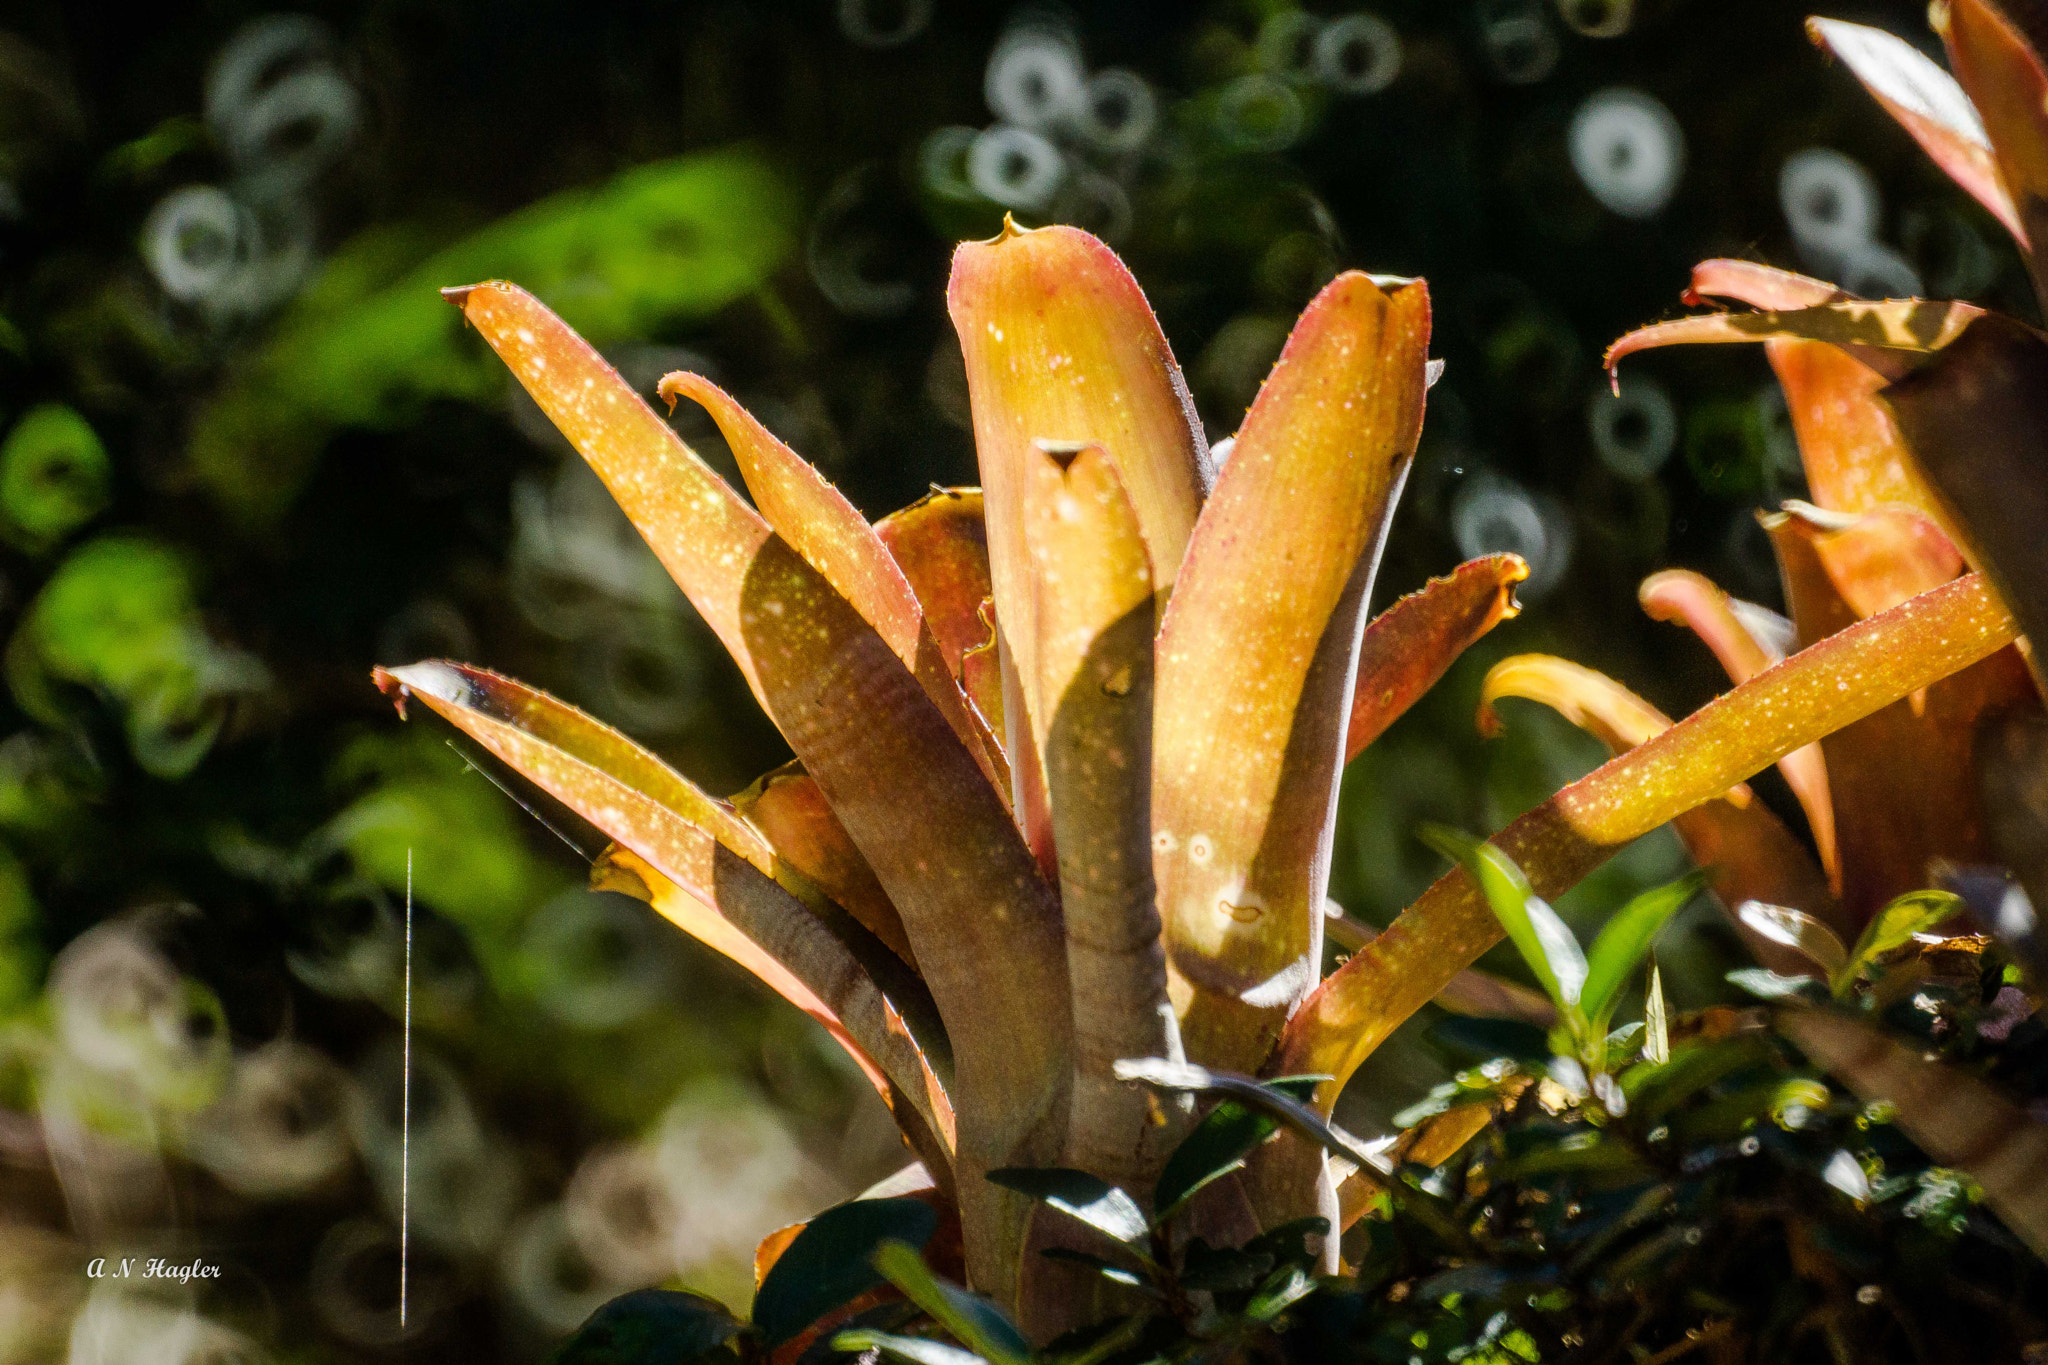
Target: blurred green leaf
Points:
(653, 1327)
(371, 340)
(1626, 939)
(119, 618)
(54, 477)
(1544, 941)
(971, 1318)
(831, 1262)
(1081, 1196)
(1768, 985)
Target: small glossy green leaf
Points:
(1626, 939)
(829, 1263)
(972, 1319)
(1218, 1145)
(1895, 925)
(916, 1350)
(1108, 1270)
(1288, 1285)
(652, 1327)
(1768, 985)
(1079, 1195)
(1544, 941)
(1797, 930)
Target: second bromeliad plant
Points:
(1067, 746)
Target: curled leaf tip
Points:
(458, 294)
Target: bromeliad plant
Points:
(1923, 429)
(1067, 746)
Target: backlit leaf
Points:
(941, 544)
(2009, 88)
(1797, 930)
(1079, 1195)
(1248, 741)
(787, 933)
(1093, 582)
(1928, 103)
(1894, 926)
(1818, 690)
(1061, 346)
(1544, 940)
(1722, 624)
(1892, 331)
(1904, 779)
(1625, 940)
(972, 1319)
(1408, 646)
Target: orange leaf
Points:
(1904, 777)
(1061, 347)
(1815, 692)
(1977, 423)
(1888, 331)
(941, 544)
(1681, 595)
(1928, 103)
(796, 820)
(1758, 285)
(1094, 655)
(722, 872)
(1881, 558)
(2005, 80)
(1855, 459)
(1257, 655)
(913, 797)
(1752, 854)
(1408, 646)
(821, 525)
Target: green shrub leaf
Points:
(916, 1350)
(1625, 941)
(1542, 938)
(971, 1318)
(1894, 926)
(1797, 930)
(1077, 1194)
(652, 1327)
(1219, 1144)
(829, 1263)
